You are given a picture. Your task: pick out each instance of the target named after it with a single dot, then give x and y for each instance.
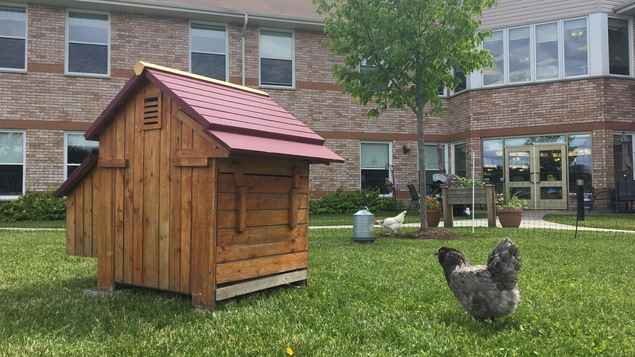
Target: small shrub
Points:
(342, 201)
(33, 206)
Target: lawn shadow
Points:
(63, 310)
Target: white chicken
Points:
(393, 223)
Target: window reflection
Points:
(547, 51)
(519, 55)
(576, 61)
(619, 62)
(495, 75)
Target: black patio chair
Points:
(603, 194)
(414, 195)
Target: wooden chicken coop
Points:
(201, 187)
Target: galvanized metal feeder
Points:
(363, 226)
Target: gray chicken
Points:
(484, 291)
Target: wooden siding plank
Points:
(258, 267)
(260, 234)
(202, 253)
(231, 291)
(103, 231)
(186, 215)
(190, 161)
(269, 167)
(227, 253)
(79, 224)
(151, 208)
(71, 217)
(129, 194)
(119, 124)
(138, 188)
(175, 209)
(112, 162)
(259, 218)
(164, 195)
(88, 218)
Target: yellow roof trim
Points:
(141, 65)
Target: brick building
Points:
(552, 110)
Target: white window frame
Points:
(505, 60)
(25, 38)
(67, 42)
(292, 59)
(226, 53)
(13, 197)
(66, 164)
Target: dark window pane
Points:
(619, 58)
(12, 53)
(209, 65)
(11, 179)
(276, 72)
(87, 58)
(77, 154)
(372, 179)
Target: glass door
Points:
(538, 174)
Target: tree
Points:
(413, 45)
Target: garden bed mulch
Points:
(426, 233)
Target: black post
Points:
(580, 203)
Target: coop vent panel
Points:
(152, 112)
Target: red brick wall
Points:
(46, 103)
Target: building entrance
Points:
(538, 174)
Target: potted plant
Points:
(510, 213)
(433, 211)
(390, 184)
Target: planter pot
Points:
(510, 218)
(433, 217)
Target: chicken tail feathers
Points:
(504, 263)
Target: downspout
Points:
(243, 47)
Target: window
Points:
(519, 55)
(547, 51)
(208, 51)
(375, 166)
(87, 48)
(11, 163)
(459, 159)
(580, 164)
(433, 160)
(277, 59)
(372, 75)
(12, 38)
(77, 149)
(493, 162)
(460, 74)
(496, 74)
(576, 58)
(619, 53)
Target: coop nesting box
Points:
(201, 187)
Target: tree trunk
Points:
(422, 168)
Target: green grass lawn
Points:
(388, 298)
(623, 221)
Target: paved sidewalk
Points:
(531, 219)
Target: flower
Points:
(390, 182)
(289, 351)
(432, 202)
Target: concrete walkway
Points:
(531, 219)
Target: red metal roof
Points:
(241, 119)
